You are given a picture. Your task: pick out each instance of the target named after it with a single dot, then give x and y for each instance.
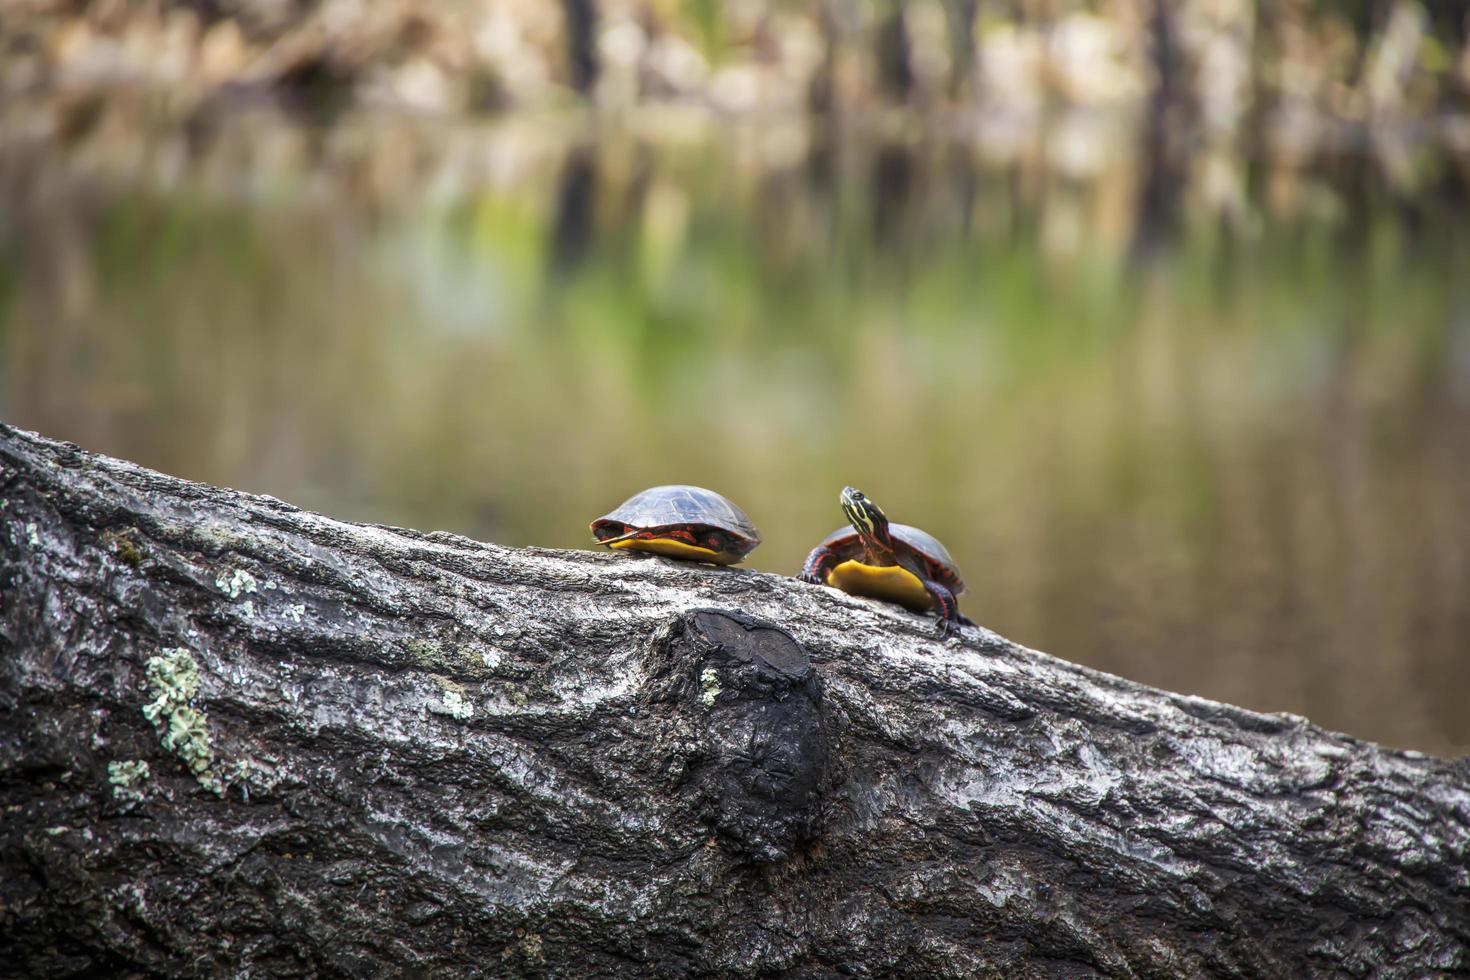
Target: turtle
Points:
(896, 562)
(679, 521)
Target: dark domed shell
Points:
(927, 545)
(678, 504)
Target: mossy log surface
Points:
(240, 738)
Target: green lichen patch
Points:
(470, 659)
(457, 707)
(127, 777)
(709, 684)
(239, 582)
(216, 539)
(425, 653)
(125, 545)
(188, 738)
(173, 679)
(453, 703)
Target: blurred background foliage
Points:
(1156, 313)
(1229, 62)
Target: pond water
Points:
(1198, 418)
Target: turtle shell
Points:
(680, 508)
(912, 540)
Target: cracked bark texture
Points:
(377, 751)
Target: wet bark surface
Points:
(237, 737)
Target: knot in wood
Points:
(755, 701)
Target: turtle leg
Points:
(818, 564)
(947, 607)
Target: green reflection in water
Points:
(1217, 441)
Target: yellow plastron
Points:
(891, 582)
(675, 549)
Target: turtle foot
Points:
(949, 629)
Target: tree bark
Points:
(240, 738)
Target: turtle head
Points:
(866, 517)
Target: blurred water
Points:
(1201, 419)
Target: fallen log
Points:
(243, 738)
